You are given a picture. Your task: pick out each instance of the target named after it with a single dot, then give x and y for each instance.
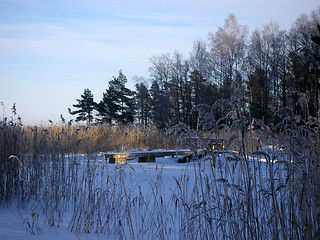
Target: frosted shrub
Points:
(263, 193)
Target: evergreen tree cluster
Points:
(274, 66)
(116, 107)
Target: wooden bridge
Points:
(147, 156)
(215, 144)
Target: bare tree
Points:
(200, 59)
(160, 70)
(228, 49)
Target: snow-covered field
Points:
(87, 198)
(14, 222)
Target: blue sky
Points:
(50, 50)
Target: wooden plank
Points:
(146, 156)
(158, 153)
(215, 144)
(150, 156)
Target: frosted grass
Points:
(89, 198)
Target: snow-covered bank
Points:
(82, 197)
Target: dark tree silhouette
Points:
(117, 104)
(85, 106)
(143, 104)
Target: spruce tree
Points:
(85, 106)
(143, 103)
(259, 96)
(160, 106)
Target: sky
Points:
(51, 50)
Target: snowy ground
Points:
(13, 221)
(162, 180)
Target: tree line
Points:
(276, 67)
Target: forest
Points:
(275, 68)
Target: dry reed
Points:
(252, 195)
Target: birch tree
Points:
(228, 49)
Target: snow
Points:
(269, 149)
(162, 180)
(13, 224)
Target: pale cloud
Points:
(164, 19)
(88, 40)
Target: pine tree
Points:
(117, 104)
(104, 114)
(85, 106)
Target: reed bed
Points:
(52, 142)
(63, 138)
(270, 189)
